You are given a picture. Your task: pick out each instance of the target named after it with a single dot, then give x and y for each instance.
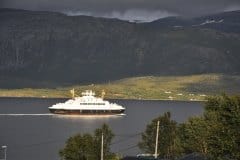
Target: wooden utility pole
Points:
(156, 146)
(102, 147)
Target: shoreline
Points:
(179, 100)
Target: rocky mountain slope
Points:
(52, 48)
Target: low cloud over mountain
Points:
(143, 10)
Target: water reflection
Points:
(89, 117)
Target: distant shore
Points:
(170, 88)
(64, 94)
(2, 97)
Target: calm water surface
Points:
(31, 133)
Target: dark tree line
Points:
(215, 134)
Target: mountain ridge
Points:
(44, 46)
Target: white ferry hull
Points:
(86, 105)
(86, 112)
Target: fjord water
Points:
(31, 132)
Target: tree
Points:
(216, 134)
(194, 135)
(88, 147)
(168, 146)
(78, 147)
(223, 117)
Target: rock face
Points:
(52, 47)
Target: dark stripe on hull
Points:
(85, 112)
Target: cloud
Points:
(146, 10)
(232, 8)
(131, 15)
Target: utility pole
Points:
(156, 146)
(5, 152)
(102, 148)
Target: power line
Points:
(60, 141)
(36, 144)
(128, 148)
(129, 137)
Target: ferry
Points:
(87, 104)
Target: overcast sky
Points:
(145, 10)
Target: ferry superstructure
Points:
(87, 104)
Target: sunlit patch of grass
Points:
(193, 87)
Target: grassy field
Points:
(190, 88)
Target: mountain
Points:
(226, 22)
(47, 48)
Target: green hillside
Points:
(48, 49)
(194, 87)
